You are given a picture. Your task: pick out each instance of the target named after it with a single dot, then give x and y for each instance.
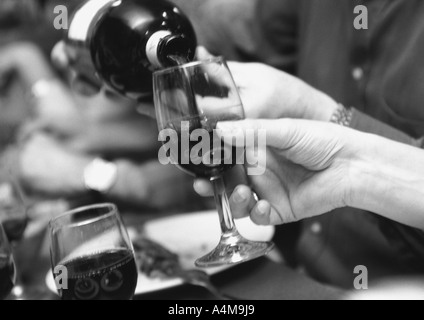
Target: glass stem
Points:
(228, 226)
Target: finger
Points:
(214, 106)
(239, 71)
(261, 213)
(265, 214)
(242, 201)
(280, 133)
(203, 188)
(146, 109)
(216, 73)
(236, 69)
(225, 93)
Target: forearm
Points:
(389, 180)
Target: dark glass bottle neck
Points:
(175, 50)
(165, 49)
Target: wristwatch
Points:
(100, 175)
(342, 116)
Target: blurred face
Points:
(88, 88)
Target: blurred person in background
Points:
(19, 22)
(64, 145)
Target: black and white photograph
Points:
(211, 154)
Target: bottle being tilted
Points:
(119, 43)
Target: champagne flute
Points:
(7, 266)
(92, 255)
(190, 99)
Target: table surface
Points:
(261, 279)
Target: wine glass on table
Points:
(190, 99)
(91, 247)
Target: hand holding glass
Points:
(190, 100)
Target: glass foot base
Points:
(234, 250)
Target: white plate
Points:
(190, 236)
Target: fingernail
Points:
(263, 208)
(195, 184)
(239, 197)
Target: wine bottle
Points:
(119, 43)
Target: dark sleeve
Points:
(362, 122)
(408, 243)
(246, 30)
(276, 33)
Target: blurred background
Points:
(50, 136)
(50, 133)
(20, 21)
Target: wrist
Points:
(320, 107)
(355, 163)
(371, 175)
(389, 183)
(362, 181)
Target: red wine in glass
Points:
(109, 275)
(212, 161)
(93, 246)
